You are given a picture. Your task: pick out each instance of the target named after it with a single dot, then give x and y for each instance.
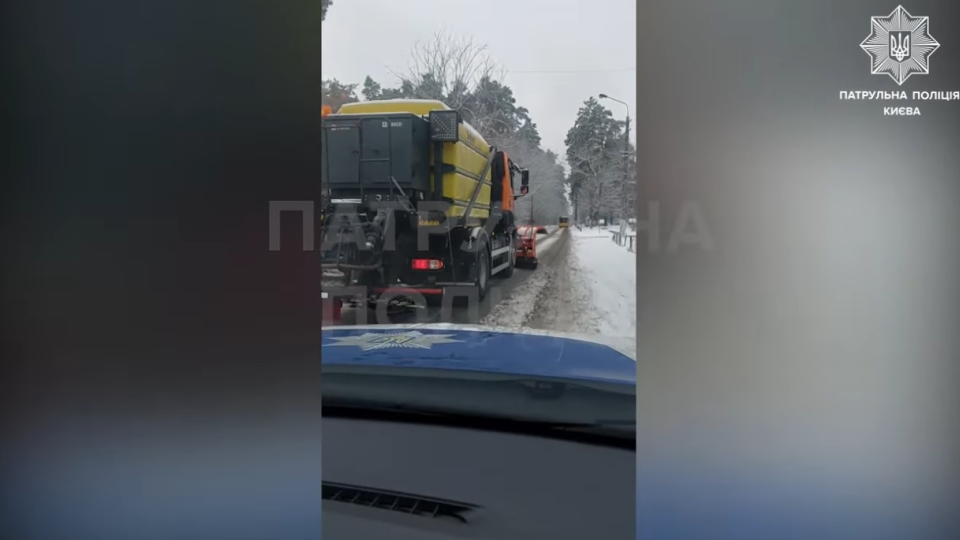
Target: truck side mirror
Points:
(524, 182)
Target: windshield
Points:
(523, 117)
(419, 256)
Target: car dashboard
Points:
(397, 481)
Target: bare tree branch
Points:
(449, 68)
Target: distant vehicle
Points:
(455, 403)
(564, 222)
(527, 246)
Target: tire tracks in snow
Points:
(516, 311)
(562, 302)
(550, 299)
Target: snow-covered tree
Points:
(599, 171)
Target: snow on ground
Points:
(515, 311)
(588, 287)
(544, 245)
(608, 272)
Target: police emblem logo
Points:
(389, 340)
(899, 45)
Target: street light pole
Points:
(626, 155)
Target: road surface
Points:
(585, 284)
(552, 251)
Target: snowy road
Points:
(500, 289)
(588, 287)
(585, 284)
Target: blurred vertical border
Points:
(799, 380)
(160, 365)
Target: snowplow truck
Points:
(416, 201)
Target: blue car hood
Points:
(480, 348)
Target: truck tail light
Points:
(427, 264)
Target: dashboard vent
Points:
(397, 502)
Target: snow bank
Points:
(609, 273)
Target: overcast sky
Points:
(557, 53)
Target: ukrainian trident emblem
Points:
(899, 46)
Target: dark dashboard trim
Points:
(617, 441)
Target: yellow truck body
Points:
(468, 157)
